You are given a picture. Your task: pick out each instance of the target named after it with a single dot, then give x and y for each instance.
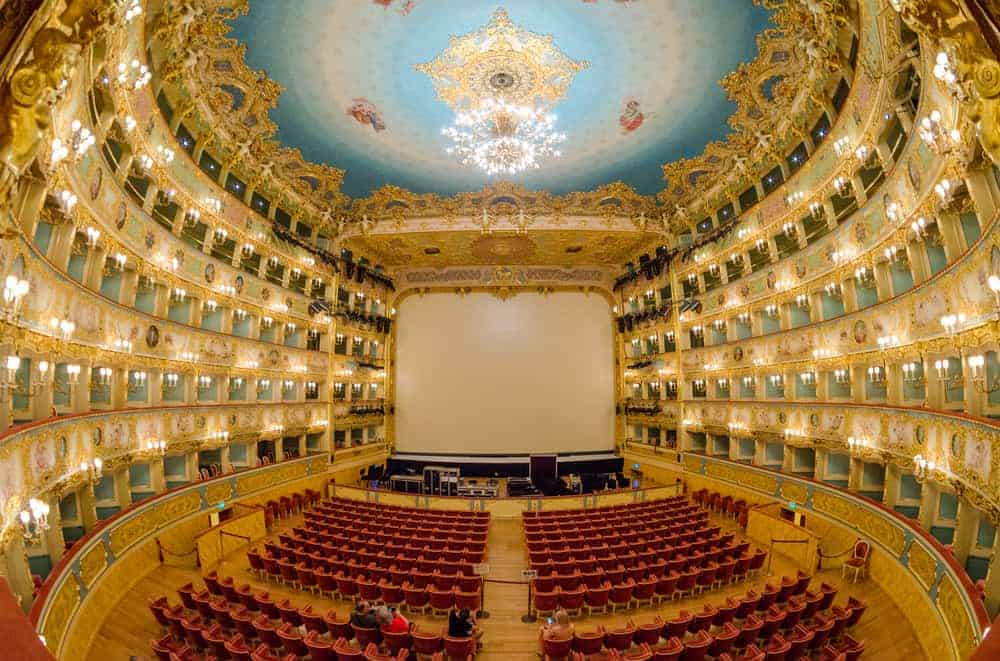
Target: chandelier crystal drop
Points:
(503, 138)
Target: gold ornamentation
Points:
(501, 60)
(922, 564)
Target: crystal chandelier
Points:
(502, 81)
(503, 138)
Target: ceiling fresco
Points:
(354, 98)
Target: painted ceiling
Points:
(354, 99)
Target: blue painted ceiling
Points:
(353, 99)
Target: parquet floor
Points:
(129, 625)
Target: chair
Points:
(337, 628)
(723, 640)
(345, 652)
(237, 649)
(212, 583)
(704, 618)
(569, 600)
(777, 648)
(396, 641)
(671, 651)
(416, 599)
(696, 648)
(857, 564)
(799, 638)
(749, 630)
(621, 595)
(829, 594)
(620, 639)
(441, 601)
(644, 591)
(289, 613)
(557, 649)
(858, 608)
(470, 600)
(650, 632)
(425, 644)
(319, 650)
(462, 649)
(312, 620)
(677, 627)
(216, 641)
(546, 602)
(597, 598)
(291, 640)
(372, 653)
(365, 635)
(706, 578)
(588, 643)
(665, 587)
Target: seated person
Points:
(391, 620)
(560, 628)
(364, 616)
(462, 624)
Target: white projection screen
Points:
(480, 375)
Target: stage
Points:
(506, 465)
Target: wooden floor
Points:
(129, 626)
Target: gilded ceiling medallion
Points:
(503, 248)
(501, 60)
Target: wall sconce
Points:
(913, 373)
(886, 341)
(942, 367)
(895, 254)
(219, 436)
(100, 379)
(669, 336)
(720, 325)
(210, 305)
(248, 249)
(808, 378)
(123, 345)
(14, 290)
(157, 447)
(287, 385)
(92, 470)
(771, 310)
(841, 376)
(697, 331)
(266, 322)
(213, 203)
(144, 162)
(134, 74)
(802, 301)
(191, 217)
(946, 190)
(204, 382)
(737, 429)
(841, 145)
(722, 383)
(777, 381)
(170, 381)
(842, 185)
(856, 444)
(34, 520)
(178, 295)
(240, 314)
(93, 235)
(832, 289)
(977, 369)
(290, 328)
(165, 153)
(263, 386)
(951, 321)
(789, 229)
(791, 434)
(749, 382)
(235, 383)
(312, 388)
(864, 276)
(72, 378)
(923, 468)
(137, 381)
(876, 374)
(698, 385)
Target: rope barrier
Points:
(232, 534)
(162, 549)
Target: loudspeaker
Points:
(621, 324)
(661, 252)
(359, 275)
(349, 270)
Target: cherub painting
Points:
(632, 116)
(364, 112)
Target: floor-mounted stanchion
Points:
(529, 575)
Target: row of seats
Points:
(623, 520)
(717, 502)
(757, 625)
(439, 538)
(631, 593)
(612, 512)
(206, 625)
(379, 511)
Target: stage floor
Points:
(129, 625)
